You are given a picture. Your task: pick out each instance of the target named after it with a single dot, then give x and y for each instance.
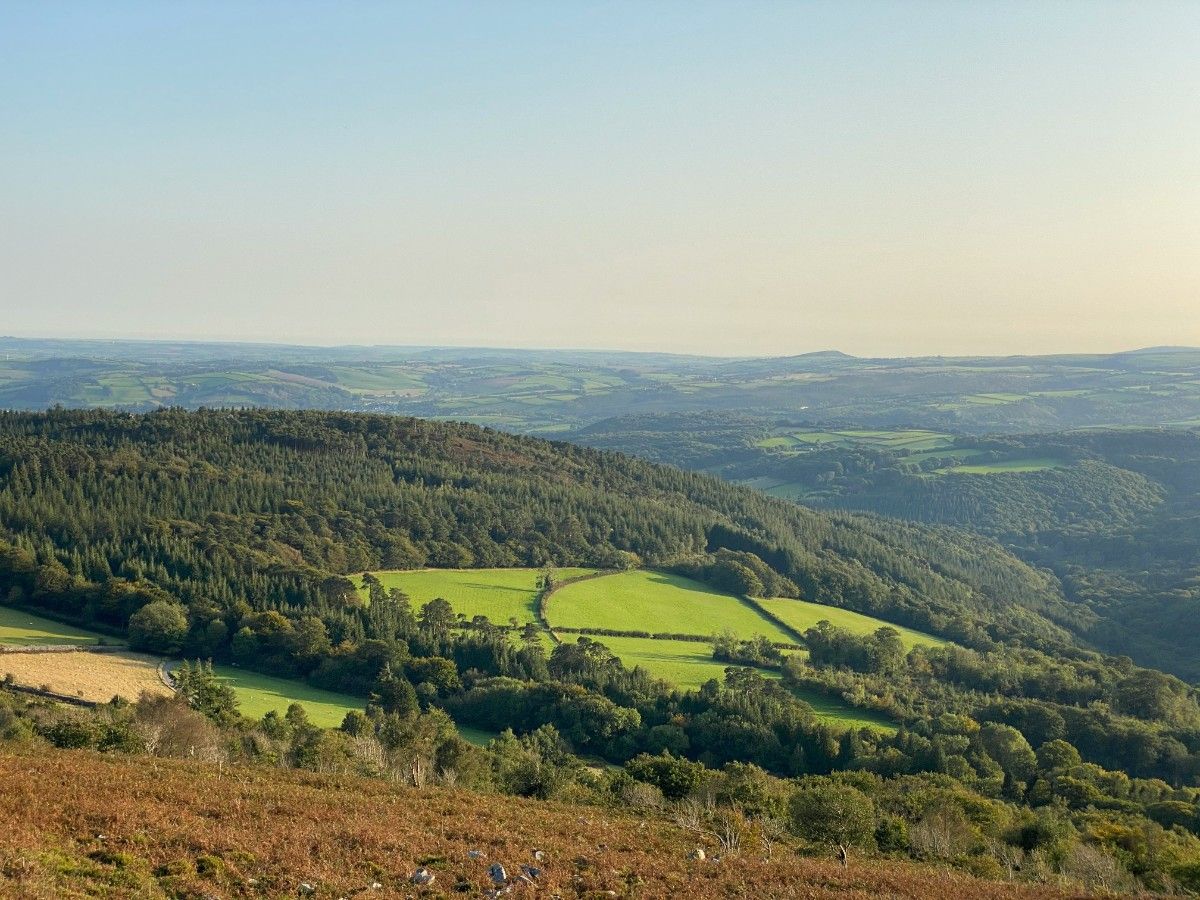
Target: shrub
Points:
(158, 627)
(675, 776)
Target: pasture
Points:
(259, 694)
(899, 439)
(499, 594)
(642, 600)
(1039, 464)
(23, 629)
(477, 736)
(841, 715)
(802, 615)
(96, 677)
(688, 664)
(948, 453)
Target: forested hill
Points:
(237, 510)
(1112, 512)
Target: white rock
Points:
(422, 876)
(698, 853)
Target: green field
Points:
(476, 736)
(993, 399)
(658, 603)
(949, 453)
(837, 713)
(259, 694)
(900, 439)
(1009, 465)
(26, 630)
(689, 664)
(802, 615)
(499, 594)
(791, 490)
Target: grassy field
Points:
(842, 715)
(499, 594)
(658, 603)
(97, 677)
(949, 453)
(259, 694)
(899, 439)
(790, 490)
(1039, 464)
(25, 630)
(476, 736)
(994, 399)
(688, 664)
(802, 615)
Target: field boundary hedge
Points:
(51, 695)
(544, 596)
(661, 636)
(61, 648)
(767, 614)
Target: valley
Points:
(549, 621)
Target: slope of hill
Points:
(266, 508)
(1112, 513)
(83, 824)
(559, 391)
(231, 534)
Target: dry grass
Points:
(89, 676)
(82, 824)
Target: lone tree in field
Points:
(826, 812)
(159, 627)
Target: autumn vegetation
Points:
(80, 823)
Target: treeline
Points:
(1115, 714)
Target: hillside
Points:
(270, 509)
(1112, 513)
(555, 392)
(82, 824)
(234, 535)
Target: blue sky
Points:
(727, 178)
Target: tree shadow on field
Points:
(679, 583)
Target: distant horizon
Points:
(504, 348)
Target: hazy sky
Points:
(880, 178)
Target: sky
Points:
(726, 178)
